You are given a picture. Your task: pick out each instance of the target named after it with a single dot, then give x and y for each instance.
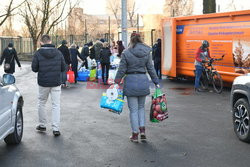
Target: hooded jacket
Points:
(49, 63)
(105, 55)
(134, 64)
(10, 56)
(65, 51)
(98, 46)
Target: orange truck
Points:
(227, 33)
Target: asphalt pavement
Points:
(198, 132)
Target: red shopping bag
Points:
(70, 76)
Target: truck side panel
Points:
(227, 33)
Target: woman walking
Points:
(74, 54)
(9, 56)
(135, 62)
(105, 61)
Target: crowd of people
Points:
(136, 61)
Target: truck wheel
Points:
(16, 136)
(241, 112)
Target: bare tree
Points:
(209, 6)
(178, 7)
(40, 17)
(114, 7)
(132, 11)
(231, 5)
(8, 11)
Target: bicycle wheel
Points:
(204, 81)
(217, 82)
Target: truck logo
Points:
(179, 29)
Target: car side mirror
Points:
(8, 79)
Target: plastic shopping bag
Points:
(71, 76)
(92, 76)
(158, 110)
(112, 100)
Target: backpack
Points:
(92, 53)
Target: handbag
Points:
(7, 65)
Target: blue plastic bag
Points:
(115, 106)
(83, 75)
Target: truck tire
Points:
(241, 113)
(16, 136)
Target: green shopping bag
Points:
(157, 93)
(92, 75)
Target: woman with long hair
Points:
(135, 62)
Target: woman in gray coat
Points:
(135, 62)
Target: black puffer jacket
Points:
(65, 51)
(49, 63)
(105, 55)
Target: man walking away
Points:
(105, 61)
(85, 54)
(98, 46)
(156, 52)
(65, 51)
(49, 63)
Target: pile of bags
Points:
(83, 75)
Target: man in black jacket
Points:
(48, 62)
(156, 52)
(84, 55)
(65, 51)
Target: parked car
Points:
(11, 116)
(240, 104)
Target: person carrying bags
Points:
(135, 62)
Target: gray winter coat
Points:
(134, 64)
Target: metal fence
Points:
(23, 46)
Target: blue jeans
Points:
(137, 112)
(198, 72)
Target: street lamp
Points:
(124, 22)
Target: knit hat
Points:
(10, 45)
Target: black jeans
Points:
(105, 69)
(157, 66)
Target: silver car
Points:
(11, 116)
(240, 104)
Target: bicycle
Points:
(211, 76)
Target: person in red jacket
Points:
(202, 55)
